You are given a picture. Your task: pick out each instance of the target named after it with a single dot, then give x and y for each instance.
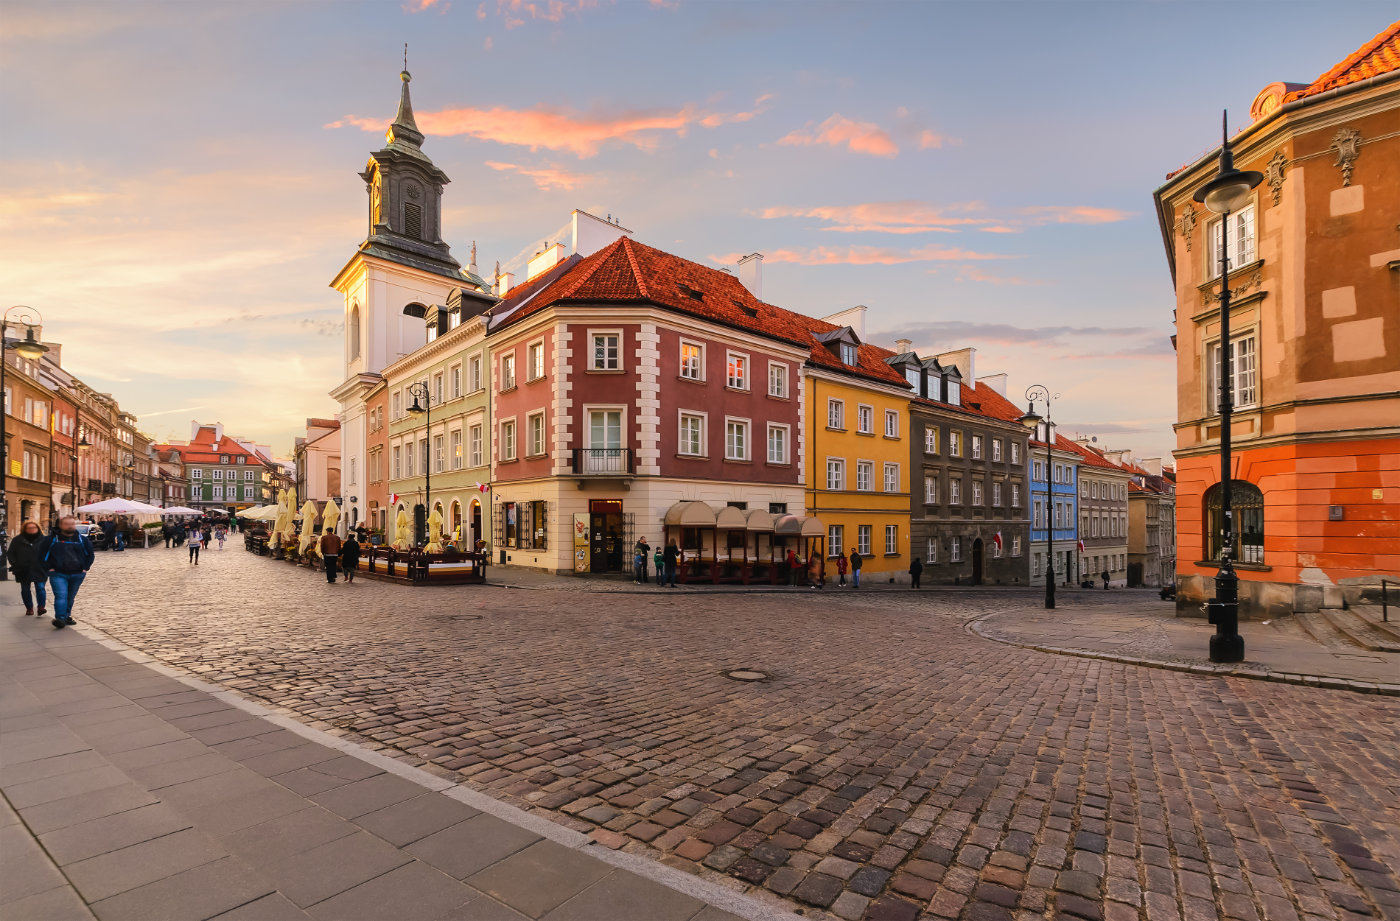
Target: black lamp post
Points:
(31, 349)
(1226, 193)
(420, 391)
(83, 445)
(1031, 420)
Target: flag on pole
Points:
(996, 539)
(393, 498)
(1081, 546)
(481, 487)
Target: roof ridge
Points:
(1356, 56)
(627, 244)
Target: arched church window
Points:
(1247, 504)
(354, 331)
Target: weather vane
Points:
(405, 57)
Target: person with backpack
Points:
(659, 559)
(856, 564)
(196, 540)
(66, 556)
(23, 555)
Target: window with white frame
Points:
(849, 354)
(955, 443)
(1036, 471)
(1039, 517)
(777, 379)
(1241, 252)
(778, 438)
(931, 550)
(456, 450)
(508, 440)
(605, 353)
(196, 474)
(218, 491)
(977, 492)
(396, 405)
(476, 445)
(692, 361)
(534, 361)
(508, 371)
(437, 388)
(955, 550)
(438, 453)
(737, 371)
(892, 478)
(834, 537)
(1243, 377)
(976, 447)
(931, 439)
(891, 423)
(863, 534)
(398, 462)
(835, 473)
(1015, 452)
(891, 538)
(535, 432)
(996, 450)
(930, 490)
(836, 414)
(954, 491)
(474, 382)
(247, 474)
(218, 474)
(865, 475)
(455, 375)
(1093, 486)
(996, 495)
(736, 439)
(865, 419)
(692, 435)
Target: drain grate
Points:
(747, 674)
(464, 617)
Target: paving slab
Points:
(412, 892)
(539, 878)
(471, 846)
(623, 895)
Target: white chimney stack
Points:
(504, 282)
(903, 345)
(751, 274)
(997, 382)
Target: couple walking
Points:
(62, 558)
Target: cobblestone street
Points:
(891, 766)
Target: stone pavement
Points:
(128, 794)
(1277, 650)
(892, 765)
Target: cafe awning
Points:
(731, 519)
(797, 526)
(759, 520)
(690, 515)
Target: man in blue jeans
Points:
(66, 557)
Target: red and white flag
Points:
(1081, 546)
(393, 498)
(996, 539)
(482, 487)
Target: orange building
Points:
(1314, 275)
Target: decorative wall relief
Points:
(1273, 174)
(1346, 144)
(1187, 223)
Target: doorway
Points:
(476, 524)
(977, 561)
(607, 535)
(420, 524)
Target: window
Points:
(196, 474)
(736, 439)
(692, 361)
(423, 452)
(354, 330)
(247, 492)
(218, 474)
(508, 371)
(456, 449)
(778, 437)
(954, 491)
(398, 463)
(996, 495)
(1035, 565)
(865, 475)
(996, 450)
(412, 220)
(534, 361)
(456, 376)
(247, 474)
(955, 549)
(1016, 545)
(976, 447)
(777, 380)
(474, 374)
(863, 539)
(605, 431)
(930, 490)
(438, 459)
(849, 355)
(437, 388)
(891, 538)
(835, 473)
(891, 423)
(931, 553)
(931, 439)
(836, 414)
(834, 538)
(865, 419)
(1241, 251)
(737, 371)
(1015, 452)
(1058, 469)
(223, 458)
(977, 492)
(1039, 513)
(1038, 472)
(1243, 373)
(1093, 489)
(692, 435)
(219, 491)
(606, 353)
(508, 441)
(396, 405)
(475, 446)
(535, 432)
(1090, 525)
(955, 444)
(891, 478)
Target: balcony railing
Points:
(603, 461)
(94, 485)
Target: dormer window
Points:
(848, 354)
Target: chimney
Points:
(995, 381)
(751, 274)
(504, 282)
(545, 260)
(1152, 465)
(903, 345)
(965, 360)
(854, 317)
(591, 233)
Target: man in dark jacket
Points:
(330, 554)
(350, 556)
(23, 555)
(669, 558)
(66, 557)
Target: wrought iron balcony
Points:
(603, 461)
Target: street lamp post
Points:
(31, 349)
(1222, 195)
(1031, 420)
(420, 391)
(82, 445)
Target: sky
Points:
(179, 180)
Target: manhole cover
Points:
(746, 674)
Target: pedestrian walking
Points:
(207, 533)
(219, 535)
(658, 558)
(670, 558)
(1104, 576)
(330, 554)
(794, 572)
(841, 571)
(916, 569)
(642, 553)
(167, 531)
(66, 557)
(816, 570)
(23, 555)
(195, 541)
(350, 556)
(856, 564)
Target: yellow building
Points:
(856, 430)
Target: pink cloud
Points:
(419, 6)
(545, 177)
(839, 131)
(515, 13)
(977, 274)
(885, 216)
(1075, 214)
(865, 255)
(930, 140)
(716, 119)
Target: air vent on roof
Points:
(688, 291)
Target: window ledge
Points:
(1250, 567)
(690, 380)
(699, 457)
(892, 438)
(733, 389)
(604, 371)
(778, 463)
(831, 428)
(536, 380)
(509, 389)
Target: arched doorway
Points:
(977, 554)
(454, 524)
(476, 534)
(420, 524)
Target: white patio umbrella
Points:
(119, 506)
(179, 510)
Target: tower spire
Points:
(472, 266)
(404, 129)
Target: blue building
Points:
(1054, 505)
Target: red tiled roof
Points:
(204, 450)
(626, 271)
(1092, 457)
(1381, 55)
